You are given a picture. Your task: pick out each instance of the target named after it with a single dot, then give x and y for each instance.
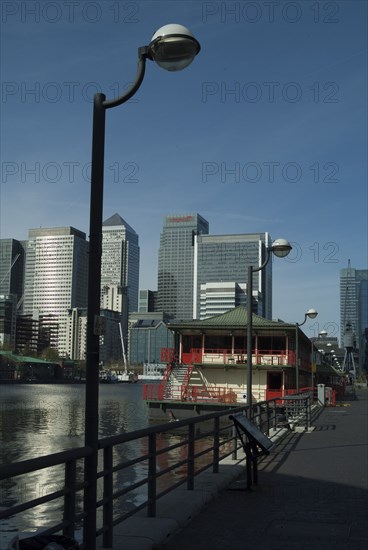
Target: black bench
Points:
(256, 444)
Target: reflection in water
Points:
(37, 420)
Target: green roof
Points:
(236, 318)
(25, 359)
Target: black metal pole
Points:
(249, 339)
(93, 311)
(297, 358)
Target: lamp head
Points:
(173, 47)
(281, 248)
(311, 313)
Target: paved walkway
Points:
(312, 493)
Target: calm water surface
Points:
(41, 419)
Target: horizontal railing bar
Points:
(42, 462)
(172, 447)
(262, 414)
(138, 434)
(128, 463)
(32, 504)
(175, 466)
(127, 490)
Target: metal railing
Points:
(204, 441)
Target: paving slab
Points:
(312, 492)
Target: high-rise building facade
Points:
(354, 309)
(120, 259)
(8, 306)
(55, 274)
(12, 257)
(147, 300)
(225, 259)
(218, 298)
(176, 264)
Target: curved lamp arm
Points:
(143, 54)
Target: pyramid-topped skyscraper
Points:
(120, 263)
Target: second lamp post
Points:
(281, 248)
(311, 314)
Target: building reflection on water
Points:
(37, 420)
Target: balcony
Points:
(239, 357)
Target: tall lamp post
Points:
(173, 47)
(281, 248)
(311, 314)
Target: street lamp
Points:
(311, 314)
(281, 248)
(173, 47)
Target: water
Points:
(41, 419)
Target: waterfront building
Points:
(55, 274)
(76, 336)
(223, 259)
(120, 262)
(176, 264)
(211, 368)
(8, 310)
(36, 332)
(354, 310)
(148, 337)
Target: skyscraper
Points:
(354, 308)
(55, 274)
(225, 259)
(176, 264)
(12, 256)
(120, 261)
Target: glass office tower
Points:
(55, 275)
(120, 260)
(354, 309)
(176, 264)
(12, 255)
(225, 259)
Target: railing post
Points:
(309, 412)
(274, 414)
(151, 509)
(108, 506)
(69, 498)
(234, 436)
(191, 447)
(268, 417)
(216, 445)
(259, 416)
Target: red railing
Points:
(186, 380)
(155, 392)
(167, 355)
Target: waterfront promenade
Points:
(312, 492)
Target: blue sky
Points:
(265, 131)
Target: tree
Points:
(51, 354)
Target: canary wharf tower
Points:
(176, 263)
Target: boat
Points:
(107, 377)
(126, 376)
(153, 372)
